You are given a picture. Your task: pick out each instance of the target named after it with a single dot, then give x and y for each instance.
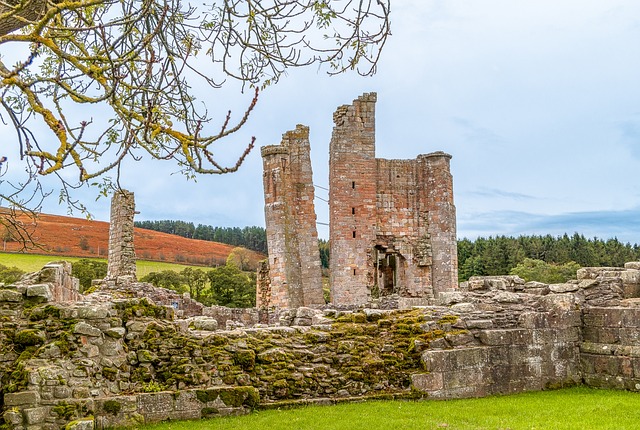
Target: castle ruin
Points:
(392, 222)
(122, 255)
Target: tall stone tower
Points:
(352, 200)
(292, 237)
(122, 256)
(392, 222)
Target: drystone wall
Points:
(113, 359)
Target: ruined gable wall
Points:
(292, 238)
(352, 201)
(402, 225)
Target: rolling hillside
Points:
(79, 237)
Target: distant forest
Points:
(481, 257)
(254, 238)
(498, 255)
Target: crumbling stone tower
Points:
(122, 256)
(392, 222)
(292, 238)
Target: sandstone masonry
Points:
(292, 237)
(122, 256)
(392, 222)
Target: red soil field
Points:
(79, 237)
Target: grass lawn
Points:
(34, 262)
(570, 409)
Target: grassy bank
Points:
(34, 262)
(575, 408)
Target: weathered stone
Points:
(10, 296)
(204, 323)
(481, 324)
(86, 329)
(81, 424)
(36, 415)
(40, 290)
(426, 382)
(563, 288)
(12, 417)
(22, 398)
(449, 298)
(115, 332)
(122, 257)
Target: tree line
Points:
(501, 254)
(254, 238)
(226, 285)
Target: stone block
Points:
(426, 382)
(533, 320)
(10, 296)
(12, 417)
(479, 324)
(36, 415)
(569, 334)
(563, 288)
(155, 406)
(21, 399)
(469, 377)
(86, 329)
(594, 272)
(81, 424)
(495, 337)
(42, 291)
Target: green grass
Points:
(570, 409)
(34, 262)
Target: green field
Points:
(569, 409)
(34, 262)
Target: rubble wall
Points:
(113, 359)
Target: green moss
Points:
(110, 373)
(245, 358)
(448, 319)
(29, 337)
(44, 312)
(65, 410)
(140, 308)
(112, 407)
(359, 318)
(209, 412)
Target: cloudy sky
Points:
(538, 101)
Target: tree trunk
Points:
(28, 11)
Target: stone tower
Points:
(392, 222)
(352, 200)
(122, 256)
(292, 238)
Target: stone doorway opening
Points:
(388, 262)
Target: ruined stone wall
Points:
(392, 222)
(292, 238)
(122, 256)
(437, 183)
(106, 359)
(352, 201)
(112, 360)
